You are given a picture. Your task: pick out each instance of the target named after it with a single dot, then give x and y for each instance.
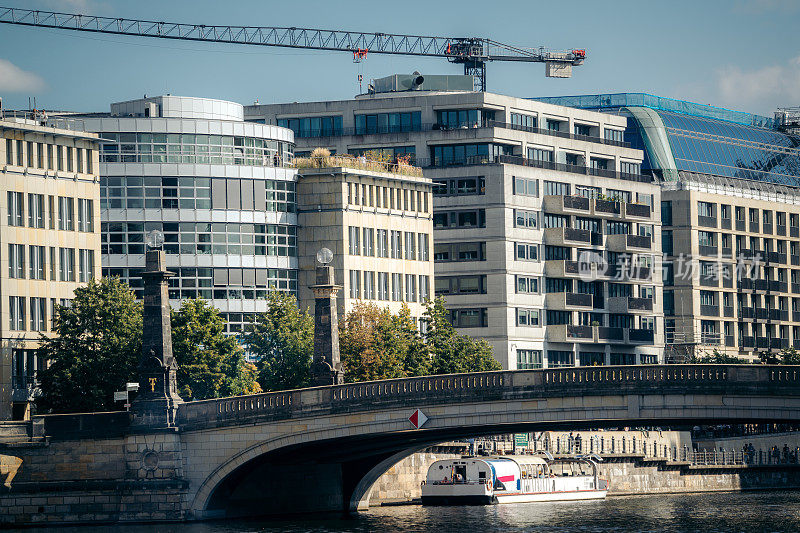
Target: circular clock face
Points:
(155, 239)
(324, 256)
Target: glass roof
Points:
(726, 149)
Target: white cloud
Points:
(764, 88)
(15, 80)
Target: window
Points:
(355, 284)
(592, 358)
(559, 317)
(369, 285)
(397, 287)
(16, 209)
(36, 210)
(525, 219)
(706, 238)
(383, 243)
(528, 317)
(474, 218)
(383, 286)
(29, 150)
(620, 359)
(468, 318)
(540, 154)
(355, 246)
(556, 221)
(16, 307)
(424, 288)
(38, 314)
(369, 242)
(85, 215)
(69, 159)
(586, 191)
(556, 188)
(666, 213)
(526, 186)
(615, 136)
(560, 358)
(85, 265)
(89, 156)
(523, 122)
(66, 264)
(526, 252)
(708, 297)
(411, 253)
(9, 151)
(529, 359)
(553, 125)
(463, 118)
(461, 284)
(20, 153)
(424, 247)
(387, 122)
(37, 257)
(633, 169)
(706, 209)
(16, 261)
(52, 264)
(527, 285)
(456, 252)
(396, 244)
(66, 213)
(666, 241)
(459, 186)
(313, 126)
(411, 288)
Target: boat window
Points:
(481, 475)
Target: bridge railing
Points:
(483, 385)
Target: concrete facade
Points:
(50, 234)
(381, 238)
(501, 168)
(734, 254)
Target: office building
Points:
(731, 222)
(50, 230)
(220, 189)
(532, 203)
(379, 225)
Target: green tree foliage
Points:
(789, 356)
(454, 353)
(716, 358)
(210, 364)
(95, 349)
(283, 339)
(376, 344)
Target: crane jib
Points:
(472, 52)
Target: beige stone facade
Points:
(733, 280)
(379, 227)
(49, 243)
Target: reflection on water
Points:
(715, 512)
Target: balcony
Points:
(761, 313)
(795, 288)
(766, 228)
(728, 312)
(628, 243)
(794, 231)
(754, 227)
(780, 230)
(796, 260)
(562, 268)
(741, 226)
(747, 342)
(629, 304)
(566, 204)
(747, 312)
(709, 310)
(709, 281)
(568, 301)
(761, 284)
(641, 336)
(779, 314)
(778, 286)
(610, 335)
(569, 333)
(637, 210)
(606, 207)
(727, 252)
(795, 316)
(725, 223)
(636, 273)
(729, 341)
(727, 282)
(567, 237)
(707, 222)
(708, 250)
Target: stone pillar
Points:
(157, 401)
(326, 368)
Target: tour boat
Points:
(512, 479)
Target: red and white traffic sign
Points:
(417, 419)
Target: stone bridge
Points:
(320, 449)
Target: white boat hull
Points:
(551, 496)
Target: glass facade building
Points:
(219, 188)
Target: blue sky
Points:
(742, 54)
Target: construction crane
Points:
(472, 52)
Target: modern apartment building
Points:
(379, 226)
(532, 203)
(220, 189)
(731, 222)
(50, 233)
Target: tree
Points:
(210, 364)
(789, 356)
(95, 349)
(377, 344)
(716, 358)
(454, 353)
(283, 339)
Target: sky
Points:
(739, 54)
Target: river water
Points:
(711, 512)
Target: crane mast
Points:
(472, 52)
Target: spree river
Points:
(711, 512)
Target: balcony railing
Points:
(637, 210)
(641, 336)
(611, 207)
(709, 310)
(707, 222)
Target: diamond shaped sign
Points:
(417, 419)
